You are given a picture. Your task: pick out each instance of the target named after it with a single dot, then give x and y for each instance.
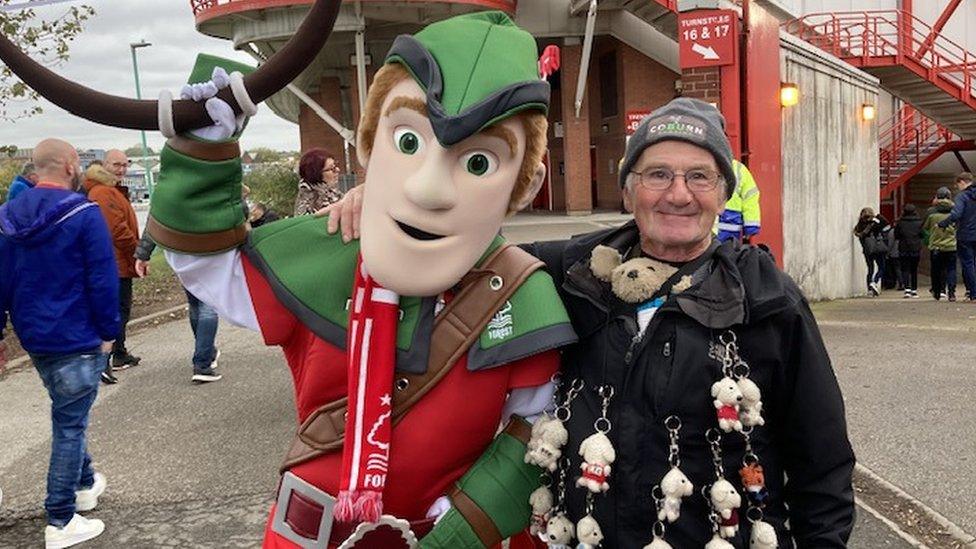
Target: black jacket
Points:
(908, 233)
(669, 372)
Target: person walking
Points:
(872, 231)
(319, 186)
(59, 284)
(103, 186)
(26, 179)
(203, 320)
(908, 236)
(942, 246)
(963, 216)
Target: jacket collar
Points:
(734, 286)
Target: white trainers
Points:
(78, 530)
(86, 500)
(213, 365)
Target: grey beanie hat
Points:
(943, 192)
(683, 119)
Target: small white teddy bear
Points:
(559, 532)
(726, 501)
(588, 533)
(675, 485)
(541, 502)
(546, 442)
(727, 399)
(658, 543)
(750, 410)
(598, 454)
(718, 543)
(763, 536)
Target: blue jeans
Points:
(72, 383)
(872, 261)
(966, 249)
(203, 322)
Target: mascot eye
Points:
(407, 141)
(480, 163)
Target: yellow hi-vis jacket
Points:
(741, 218)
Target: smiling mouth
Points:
(416, 233)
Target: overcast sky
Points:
(100, 59)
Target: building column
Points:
(313, 130)
(576, 141)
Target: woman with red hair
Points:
(319, 185)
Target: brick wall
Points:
(313, 131)
(703, 83)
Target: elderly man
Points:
(26, 179)
(58, 282)
(106, 190)
(655, 374)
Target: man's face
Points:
(675, 218)
(430, 212)
(33, 177)
(117, 164)
(961, 184)
(76, 177)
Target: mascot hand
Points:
(226, 124)
(439, 508)
(345, 213)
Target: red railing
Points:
(906, 140)
(208, 8)
(875, 38)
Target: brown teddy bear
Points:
(635, 280)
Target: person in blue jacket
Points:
(963, 215)
(26, 179)
(59, 286)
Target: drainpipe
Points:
(585, 57)
(744, 80)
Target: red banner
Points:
(706, 38)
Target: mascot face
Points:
(430, 212)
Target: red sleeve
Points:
(277, 323)
(534, 370)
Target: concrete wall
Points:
(822, 136)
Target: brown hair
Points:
(965, 176)
(535, 123)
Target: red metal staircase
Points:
(911, 58)
(909, 142)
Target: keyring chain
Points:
(602, 423)
(563, 412)
(674, 486)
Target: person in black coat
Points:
(908, 235)
(872, 231)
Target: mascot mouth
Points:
(414, 232)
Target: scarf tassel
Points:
(364, 506)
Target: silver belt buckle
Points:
(292, 483)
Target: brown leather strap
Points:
(193, 243)
(484, 290)
(519, 429)
(211, 152)
(476, 517)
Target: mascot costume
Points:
(417, 352)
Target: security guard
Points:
(741, 218)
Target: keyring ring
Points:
(597, 424)
(606, 391)
(754, 514)
(672, 423)
(563, 413)
(713, 436)
(659, 529)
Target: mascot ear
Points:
(527, 195)
(361, 155)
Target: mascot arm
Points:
(491, 501)
(219, 281)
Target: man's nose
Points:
(431, 187)
(679, 192)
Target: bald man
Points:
(58, 282)
(104, 187)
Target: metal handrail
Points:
(893, 33)
(906, 139)
(202, 6)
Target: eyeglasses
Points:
(660, 179)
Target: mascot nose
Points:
(631, 274)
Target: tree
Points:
(136, 150)
(274, 185)
(264, 155)
(46, 41)
(8, 171)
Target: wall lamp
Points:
(868, 112)
(789, 94)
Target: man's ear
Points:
(528, 193)
(628, 199)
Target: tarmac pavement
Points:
(196, 465)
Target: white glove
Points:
(225, 123)
(439, 508)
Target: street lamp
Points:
(145, 150)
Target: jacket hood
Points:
(24, 180)
(735, 286)
(943, 205)
(98, 175)
(35, 219)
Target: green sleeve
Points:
(499, 484)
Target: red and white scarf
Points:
(371, 359)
